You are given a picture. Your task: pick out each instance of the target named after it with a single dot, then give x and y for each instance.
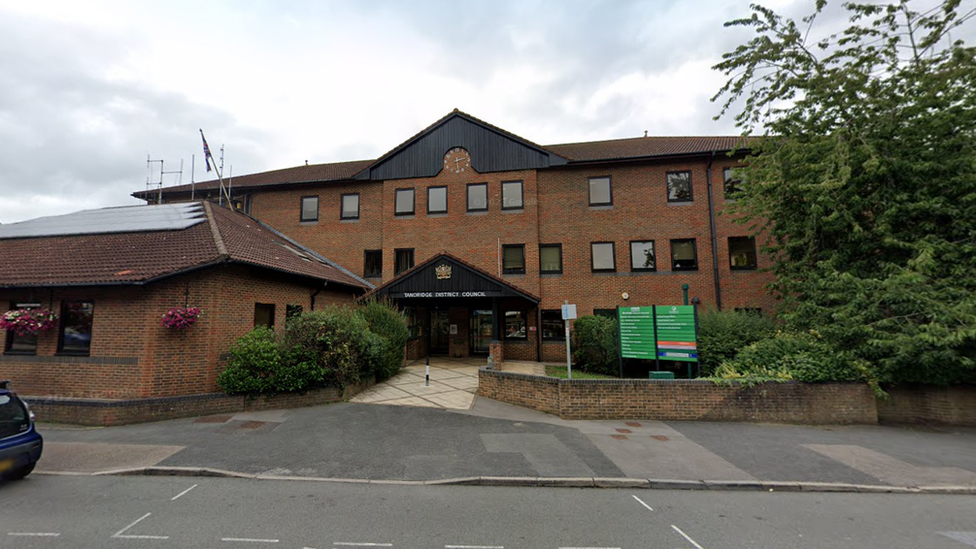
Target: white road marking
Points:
(589, 548)
(684, 535)
(35, 534)
(361, 544)
(251, 540)
(174, 498)
(130, 536)
(642, 503)
(474, 547)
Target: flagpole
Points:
(208, 157)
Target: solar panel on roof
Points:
(121, 219)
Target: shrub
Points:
(334, 346)
(594, 341)
(256, 366)
(721, 334)
(390, 324)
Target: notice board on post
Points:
(659, 332)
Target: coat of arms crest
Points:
(443, 272)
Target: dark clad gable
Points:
(463, 282)
(491, 151)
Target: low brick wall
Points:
(929, 404)
(106, 412)
(670, 400)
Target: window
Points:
(373, 263)
(414, 326)
(402, 260)
(742, 253)
(404, 202)
(242, 203)
(478, 197)
(292, 311)
(602, 256)
(679, 187)
(515, 327)
(642, 255)
(684, 256)
(512, 195)
(606, 313)
(600, 192)
(513, 258)
(350, 206)
(21, 344)
(437, 200)
(264, 315)
(76, 327)
(310, 208)
(733, 184)
(550, 258)
(553, 325)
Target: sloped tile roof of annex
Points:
(635, 148)
(126, 258)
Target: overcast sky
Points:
(89, 89)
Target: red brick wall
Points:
(928, 404)
(807, 403)
(133, 355)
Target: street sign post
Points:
(569, 313)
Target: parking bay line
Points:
(131, 536)
(642, 503)
(684, 535)
(474, 547)
(361, 544)
(35, 534)
(251, 540)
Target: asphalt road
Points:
(60, 511)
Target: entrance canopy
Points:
(447, 277)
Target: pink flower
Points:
(28, 321)
(181, 317)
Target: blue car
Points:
(20, 443)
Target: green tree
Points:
(863, 186)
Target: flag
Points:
(206, 151)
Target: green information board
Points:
(636, 332)
(676, 333)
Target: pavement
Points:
(408, 431)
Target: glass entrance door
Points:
(440, 325)
(481, 328)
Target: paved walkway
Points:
(453, 383)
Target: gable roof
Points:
(627, 149)
(470, 278)
(142, 255)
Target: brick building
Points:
(481, 235)
(111, 274)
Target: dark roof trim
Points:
(654, 158)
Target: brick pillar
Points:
(496, 349)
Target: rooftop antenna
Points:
(193, 173)
(157, 187)
(220, 169)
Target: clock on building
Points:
(457, 160)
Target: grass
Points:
(560, 372)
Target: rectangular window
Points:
(602, 256)
(606, 313)
(553, 326)
(642, 255)
(733, 183)
(310, 208)
(513, 258)
(373, 263)
(742, 253)
(403, 260)
(414, 326)
(264, 315)
(679, 187)
(350, 206)
(684, 255)
(512, 195)
(600, 191)
(292, 311)
(76, 327)
(404, 202)
(478, 197)
(437, 200)
(515, 327)
(550, 258)
(22, 344)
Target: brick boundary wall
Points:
(670, 400)
(104, 412)
(929, 404)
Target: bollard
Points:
(427, 373)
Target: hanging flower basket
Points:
(181, 317)
(28, 321)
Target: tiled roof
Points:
(143, 256)
(337, 171)
(643, 147)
